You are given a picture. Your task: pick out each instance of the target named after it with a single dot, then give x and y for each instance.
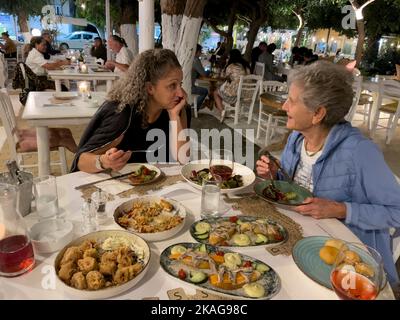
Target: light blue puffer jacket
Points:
(351, 169)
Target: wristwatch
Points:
(98, 163)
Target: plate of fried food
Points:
(143, 174)
(238, 231)
(151, 217)
(196, 171)
(102, 264)
(282, 192)
(316, 255)
(220, 271)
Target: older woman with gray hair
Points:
(345, 171)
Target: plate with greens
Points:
(196, 172)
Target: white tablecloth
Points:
(295, 285)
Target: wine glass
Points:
(221, 164)
(357, 273)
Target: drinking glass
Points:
(221, 164)
(210, 199)
(357, 273)
(16, 251)
(46, 198)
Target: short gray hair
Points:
(325, 84)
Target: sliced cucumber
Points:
(202, 248)
(178, 249)
(202, 236)
(202, 227)
(241, 239)
(261, 267)
(261, 239)
(238, 221)
(197, 276)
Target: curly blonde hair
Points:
(149, 66)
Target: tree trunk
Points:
(251, 38)
(299, 29)
(229, 33)
(171, 19)
(127, 23)
(188, 35)
(372, 50)
(360, 28)
(259, 17)
(360, 42)
(128, 32)
(24, 26)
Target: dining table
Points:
(213, 81)
(40, 282)
(42, 111)
(93, 74)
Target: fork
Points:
(276, 162)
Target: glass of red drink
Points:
(221, 164)
(357, 273)
(16, 251)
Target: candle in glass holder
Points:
(83, 88)
(84, 68)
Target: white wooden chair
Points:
(270, 119)
(259, 69)
(14, 137)
(248, 90)
(356, 98)
(193, 101)
(389, 104)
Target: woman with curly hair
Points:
(147, 103)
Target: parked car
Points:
(77, 40)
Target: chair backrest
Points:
(357, 88)
(259, 69)
(398, 72)
(270, 86)
(23, 71)
(19, 53)
(249, 87)
(9, 121)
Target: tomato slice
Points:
(182, 274)
(233, 219)
(247, 264)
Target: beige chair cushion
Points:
(58, 137)
(389, 105)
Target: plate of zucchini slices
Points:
(238, 231)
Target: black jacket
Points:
(104, 131)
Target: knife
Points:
(112, 178)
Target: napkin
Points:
(113, 186)
(172, 171)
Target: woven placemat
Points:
(254, 206)
(161, 182)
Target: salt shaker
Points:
(99, 201)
